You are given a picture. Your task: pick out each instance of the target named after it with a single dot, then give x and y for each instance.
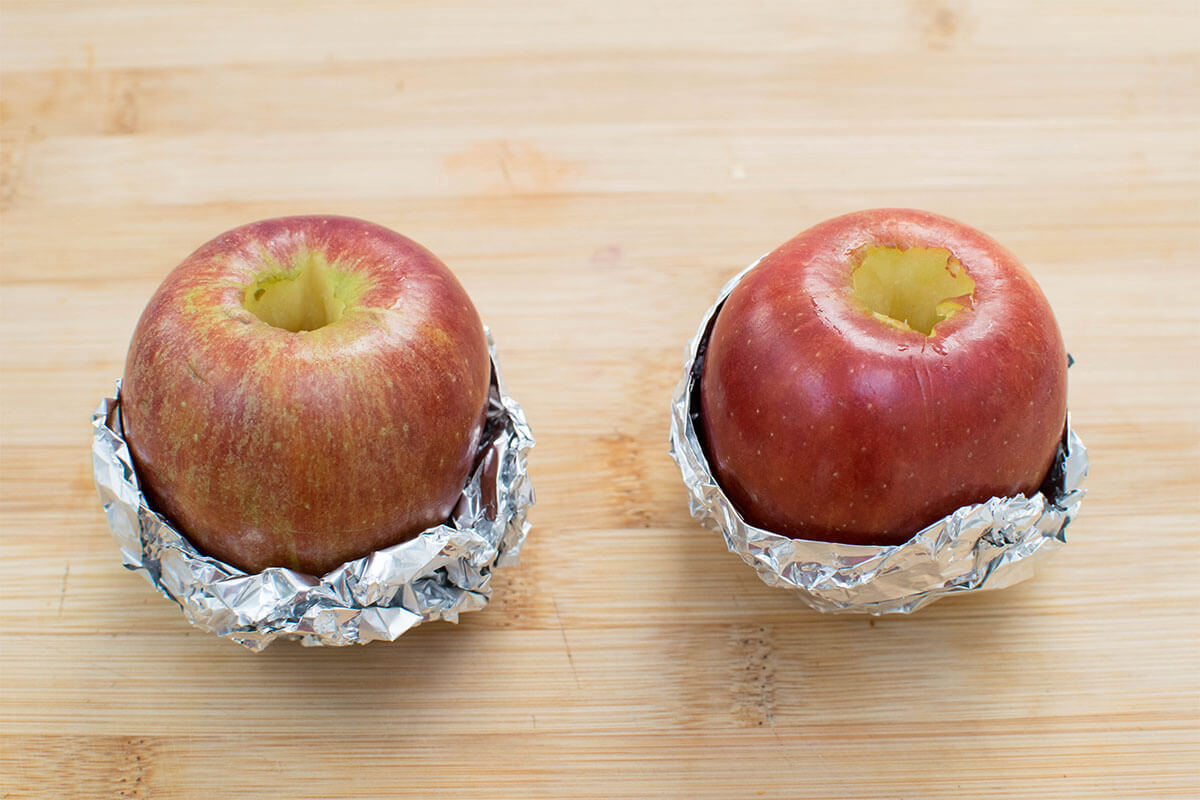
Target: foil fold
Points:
(443, 572)
(988, 545)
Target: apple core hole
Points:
(304, 298)
(912, 288)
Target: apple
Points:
(877, 372)
(303, 391)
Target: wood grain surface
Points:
(594, 172)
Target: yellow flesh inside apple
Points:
(306, 297)
(912, 288)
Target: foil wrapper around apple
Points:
(441, 573)
(975, 546)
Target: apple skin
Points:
(822, 422)
(305, 450)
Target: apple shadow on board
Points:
(781, 662)
(424, 659)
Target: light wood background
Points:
(594, 172)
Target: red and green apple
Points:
(303, 391)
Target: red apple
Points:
(303, 391)
(877, 372)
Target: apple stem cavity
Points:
(306, 297)
(912, 288)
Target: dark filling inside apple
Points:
(311, 295)
(912, 288)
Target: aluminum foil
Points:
(443, 572)
(989, 545)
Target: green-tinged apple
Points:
(303, 391)
(877, 372)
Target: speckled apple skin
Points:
(304, 450)
(821, 422)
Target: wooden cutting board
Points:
(594, 173)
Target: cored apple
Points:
(301, 392)
(877, 372)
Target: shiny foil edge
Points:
(988, 545)
(444, 571)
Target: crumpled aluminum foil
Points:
(989, 545)
(441, 573)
